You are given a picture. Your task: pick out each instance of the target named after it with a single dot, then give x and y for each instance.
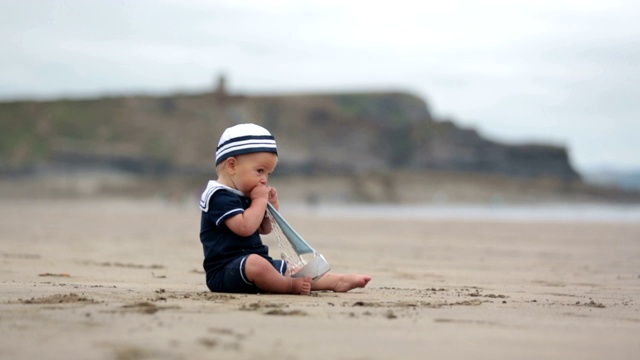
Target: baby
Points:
(234, 216)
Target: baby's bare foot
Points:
(351, 281)
(301, 286)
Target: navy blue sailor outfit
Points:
(225, 252)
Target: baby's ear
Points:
(231, 163)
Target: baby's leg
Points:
(341, 282)
(262, 273)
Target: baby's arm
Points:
(247, 223)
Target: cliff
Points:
(352, 133)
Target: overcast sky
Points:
(565, 72)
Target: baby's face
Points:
(253, 170)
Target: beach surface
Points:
(122, 279)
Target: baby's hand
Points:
(260, 192)
(273, 198)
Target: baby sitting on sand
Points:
(233, 217)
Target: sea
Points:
(560, 212)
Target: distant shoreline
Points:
(424, 187)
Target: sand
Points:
(122, 279)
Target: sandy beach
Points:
(122, 279)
